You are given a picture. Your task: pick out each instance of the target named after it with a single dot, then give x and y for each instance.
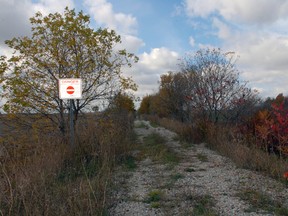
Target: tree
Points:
(172, 93)
(123, 102)
(145, 105)
(62, 46)
(215, 90)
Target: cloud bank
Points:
(257, 31)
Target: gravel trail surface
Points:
(201, 183)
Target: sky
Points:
(161, 32)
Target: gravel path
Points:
(202, 183)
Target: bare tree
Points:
(215, 89)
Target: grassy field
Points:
(40, 174)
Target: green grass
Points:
(154, 146)
(154, 197)
(141, 125)
(203, 205)
(189, 169)
(170, 157)
(261, 201)
(186, 145)
(177, 176)
(77, 167)
(130, 162)
(155, 205)
(154, 124)
(202, 157)
(154, 139)
(173, 179)
(176, 138)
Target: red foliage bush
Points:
(270, 128)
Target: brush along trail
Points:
(165, 176)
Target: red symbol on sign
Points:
(70, 90)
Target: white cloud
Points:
(130, 43)
(256, 30)
(103, 14)
(178, 10)
(160, 59)
(242, 11)
(206, 46)
(267, 52)
(269, 83)
(146, 73)
(124, 24)
(52, 6)
(14, 16)
(263, 60)
(14, 19)
(223, 29)
(201, 8)
(191, 41)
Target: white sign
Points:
(70, 88)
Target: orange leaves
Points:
(283, 150)
(263, 124)
(272, 127)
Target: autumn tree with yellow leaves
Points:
(62, 46)
(123, 102)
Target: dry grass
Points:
(244, 154)
(222, 139)
(261, 202)
(154, 147)
(41, 175)
(185, 131)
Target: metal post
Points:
(71, 124)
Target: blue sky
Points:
(160, 32)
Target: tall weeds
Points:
(195, 133)
(244, 153)
(41, 175)
(225, 139)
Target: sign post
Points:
(70, 89)
(72, 135)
